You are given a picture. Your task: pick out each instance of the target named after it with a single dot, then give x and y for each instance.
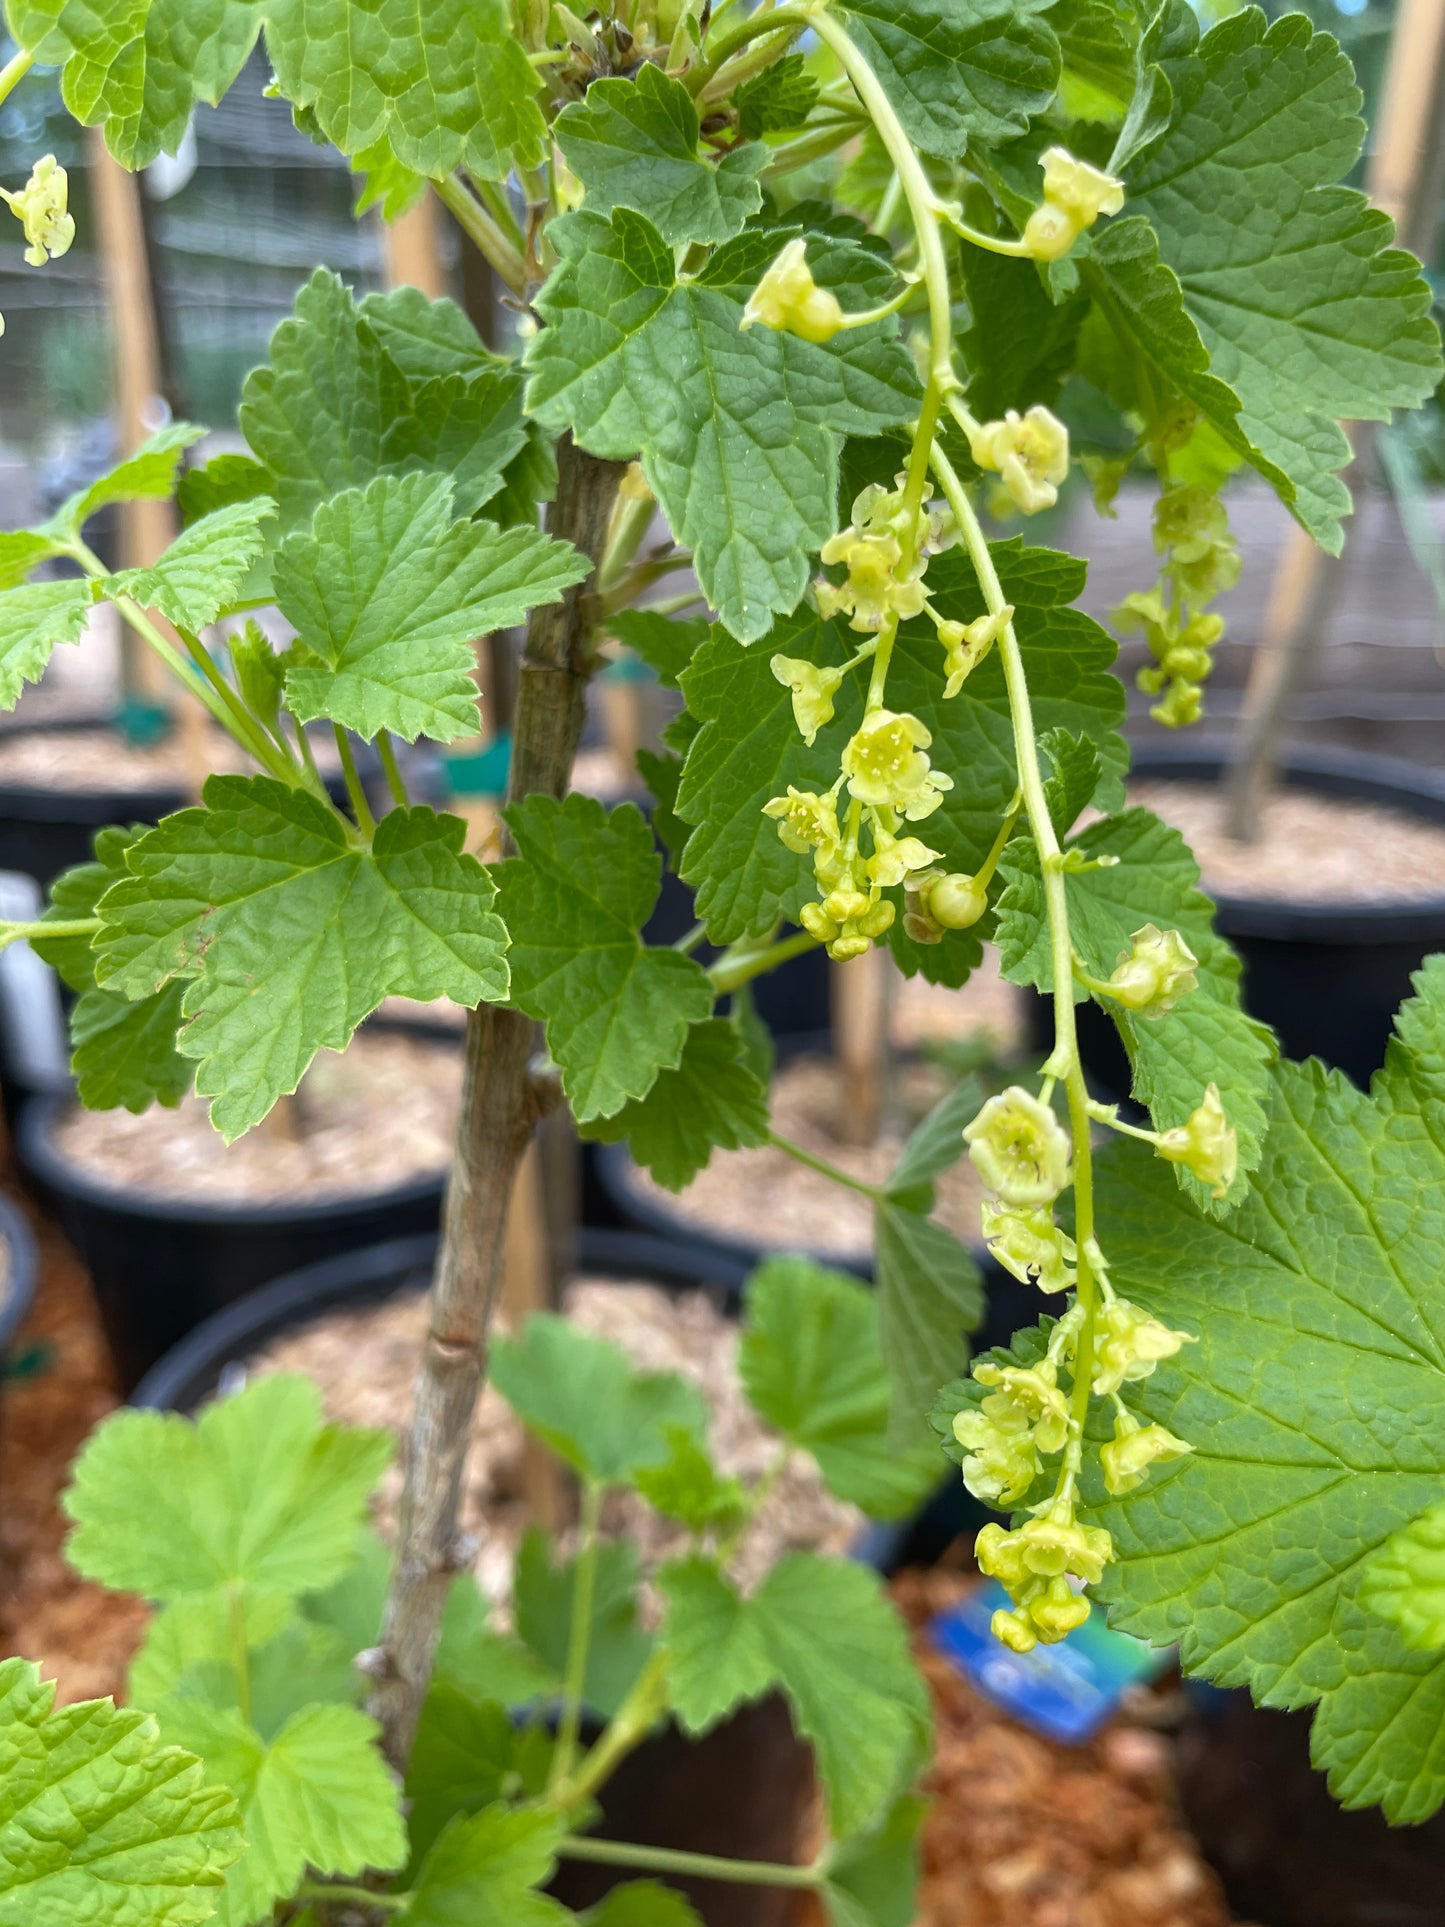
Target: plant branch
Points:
(703, 1866)
(501, 1104)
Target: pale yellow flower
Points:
(1019, 1148)
(1207, 1145)
(789, 300)
(886, 765)
(1155, 971)
(813, 690)
(1030, 452)
(42, 206)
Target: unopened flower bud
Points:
(1057, 1611)
(788, 299)
(1207, 1146)
(1155, 971)
(957, 901)
(818, 924)
(1012, 1629)
(1019, 1148)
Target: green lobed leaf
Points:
(1315, 1402)
(1405, 1581)
(1020, 344)
(190, 1652)
(150, 474)
(487, 1867)
(576, 896)
(738, 433)
(642, 1903)
(634, 144)
(139, 70)
(257, 1494)
(687, 1486)
(464, 1754)
(665, 643)
(1206, 1038)
(1073, 780)
(397, 386)
(585, 1399)
(873, 1877)
(958, 71)
(544, 1595)
(388, 593)
(1307, 311)
(290, 934)
(824, 1632)
(34, 619)
(444, 85)
(933, 1146)
(781, 96)
(20, 551)
(749, 748)
(1098, 45)
(711, 1100)
(259, 670)
(122, 1053)
(929, 1296)
(813, 1369)
(94, 1811)
(317, 1795)
(204, 570)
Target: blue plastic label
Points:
(1066, 1691)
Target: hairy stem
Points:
(501, 1104)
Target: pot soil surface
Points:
(381, 1116)
(1311, 849)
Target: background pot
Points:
(47, 829)
(747, 1789)
(1327, 977)
(161, 1265)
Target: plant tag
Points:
(1065, 1692)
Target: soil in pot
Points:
(766, 1200)
(1311, 849)
(94, 756)
(173, 1225)
(379, 1116)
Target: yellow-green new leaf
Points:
(98, 1820)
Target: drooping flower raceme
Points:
(1201, 560)
(1030, 452)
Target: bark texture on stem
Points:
(501, 1104)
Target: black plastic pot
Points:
(46, 830)
(160, 1265)
(747, 1789)
(1327, 977)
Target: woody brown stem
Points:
(502, 1101)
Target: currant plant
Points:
(821, 282)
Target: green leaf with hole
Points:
(290, 932)
(576, 897)
(95, 1811)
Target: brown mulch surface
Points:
(82, 1636)
(1025, 1832)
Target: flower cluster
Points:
(1029, 451)
(42, 206)
(1041, 1565)
(885, 550)
(1201, 560)
(1075, 195)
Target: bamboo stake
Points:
(1404, 179)
(411, 245)
(860, 997)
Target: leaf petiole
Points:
(740, 967)
(705, 1866)
(823, 1168)
(584, 1589)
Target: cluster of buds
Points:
(1042, 1565)
(1030, 452)
(42, 207)
(852, 912)
(1024, 1415)
(1075, 195)
(1201, 560)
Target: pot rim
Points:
(17, 1291)
(1356, 775)
(369, 1276)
